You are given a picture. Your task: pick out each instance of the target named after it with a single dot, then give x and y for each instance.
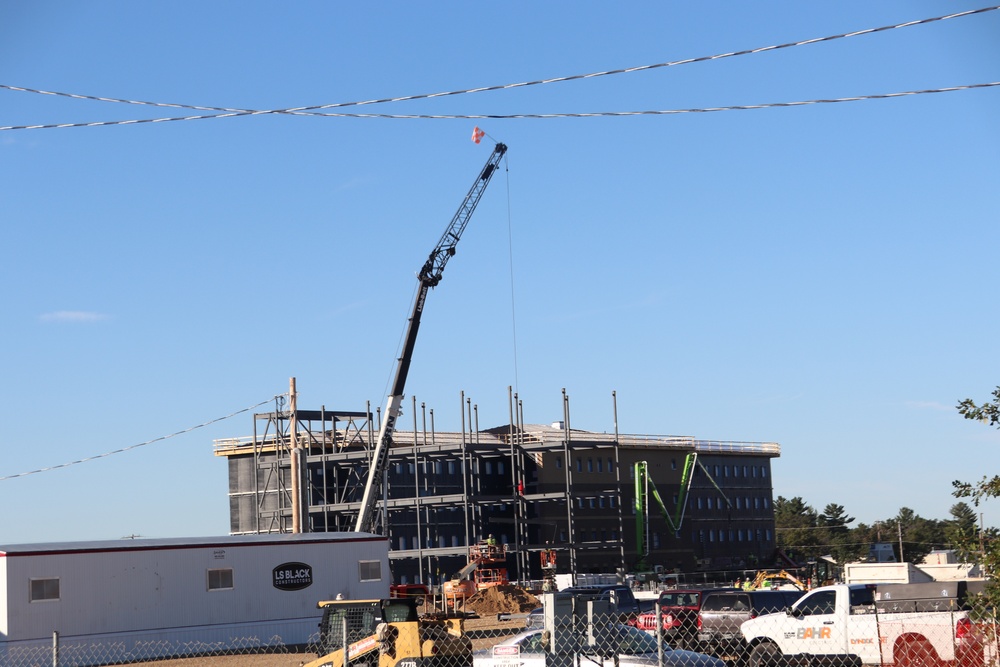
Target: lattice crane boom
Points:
(429, 276)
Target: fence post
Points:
(55, 648)
(659, 632)
(347, 657)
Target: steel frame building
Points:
(533, 486)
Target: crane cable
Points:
(510, 256)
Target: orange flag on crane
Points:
(477, 134)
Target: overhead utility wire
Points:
(306, 110)
(575, 77)
(661, 112)
(595, 114)
(141, 444)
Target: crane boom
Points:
(645, 487)
(429, 276)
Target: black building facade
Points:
(533, 487)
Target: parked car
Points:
(722, 613)
(636, 649)
(679, 611)
(621, 596)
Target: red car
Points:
(679, 609)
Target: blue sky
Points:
(819, 276)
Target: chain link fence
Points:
(733, 629)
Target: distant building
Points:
(532, 486)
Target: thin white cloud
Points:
(73, 316)
(353, 183)
(930, 405)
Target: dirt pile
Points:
(506, 598)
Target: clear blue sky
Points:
(821, 276)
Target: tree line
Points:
(805, 534)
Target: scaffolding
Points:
(442, 492)
(260, 466)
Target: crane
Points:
(429, 276)
(644, 487)
(641, 500)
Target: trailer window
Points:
(220, 580)
(44, 590)
(370, 570)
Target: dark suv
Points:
(722, 614)
(679, 611)
(621, 596)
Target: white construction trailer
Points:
(940, 565)
(148, 598)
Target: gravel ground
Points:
(261, 660)
(496, 630)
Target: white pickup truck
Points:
(863, 624)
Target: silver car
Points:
(636, 649)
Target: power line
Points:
(596, 114)
(141, 444)
(227, 112)
(860, 544)
(844, 526)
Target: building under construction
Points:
(533, 487)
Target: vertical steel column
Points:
(416, 483)
(462, 470)
(513, 484)
(324, 490)
(296, 460)
(570, 533)
(416, 489)
(618, 481)
(256, 476)
(525, 537)
(475, 511)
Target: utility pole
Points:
(296, 462)
(982, 543)
(899, 532)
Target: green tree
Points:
(962, 526)
(836, 534)
(919, 536)
(795, 525)
(989, 546)
(987, 413)
(862, 537)
(835, 517)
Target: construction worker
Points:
(491, 541)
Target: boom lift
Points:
(644, 487)
(430, 276)
(487, 568)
